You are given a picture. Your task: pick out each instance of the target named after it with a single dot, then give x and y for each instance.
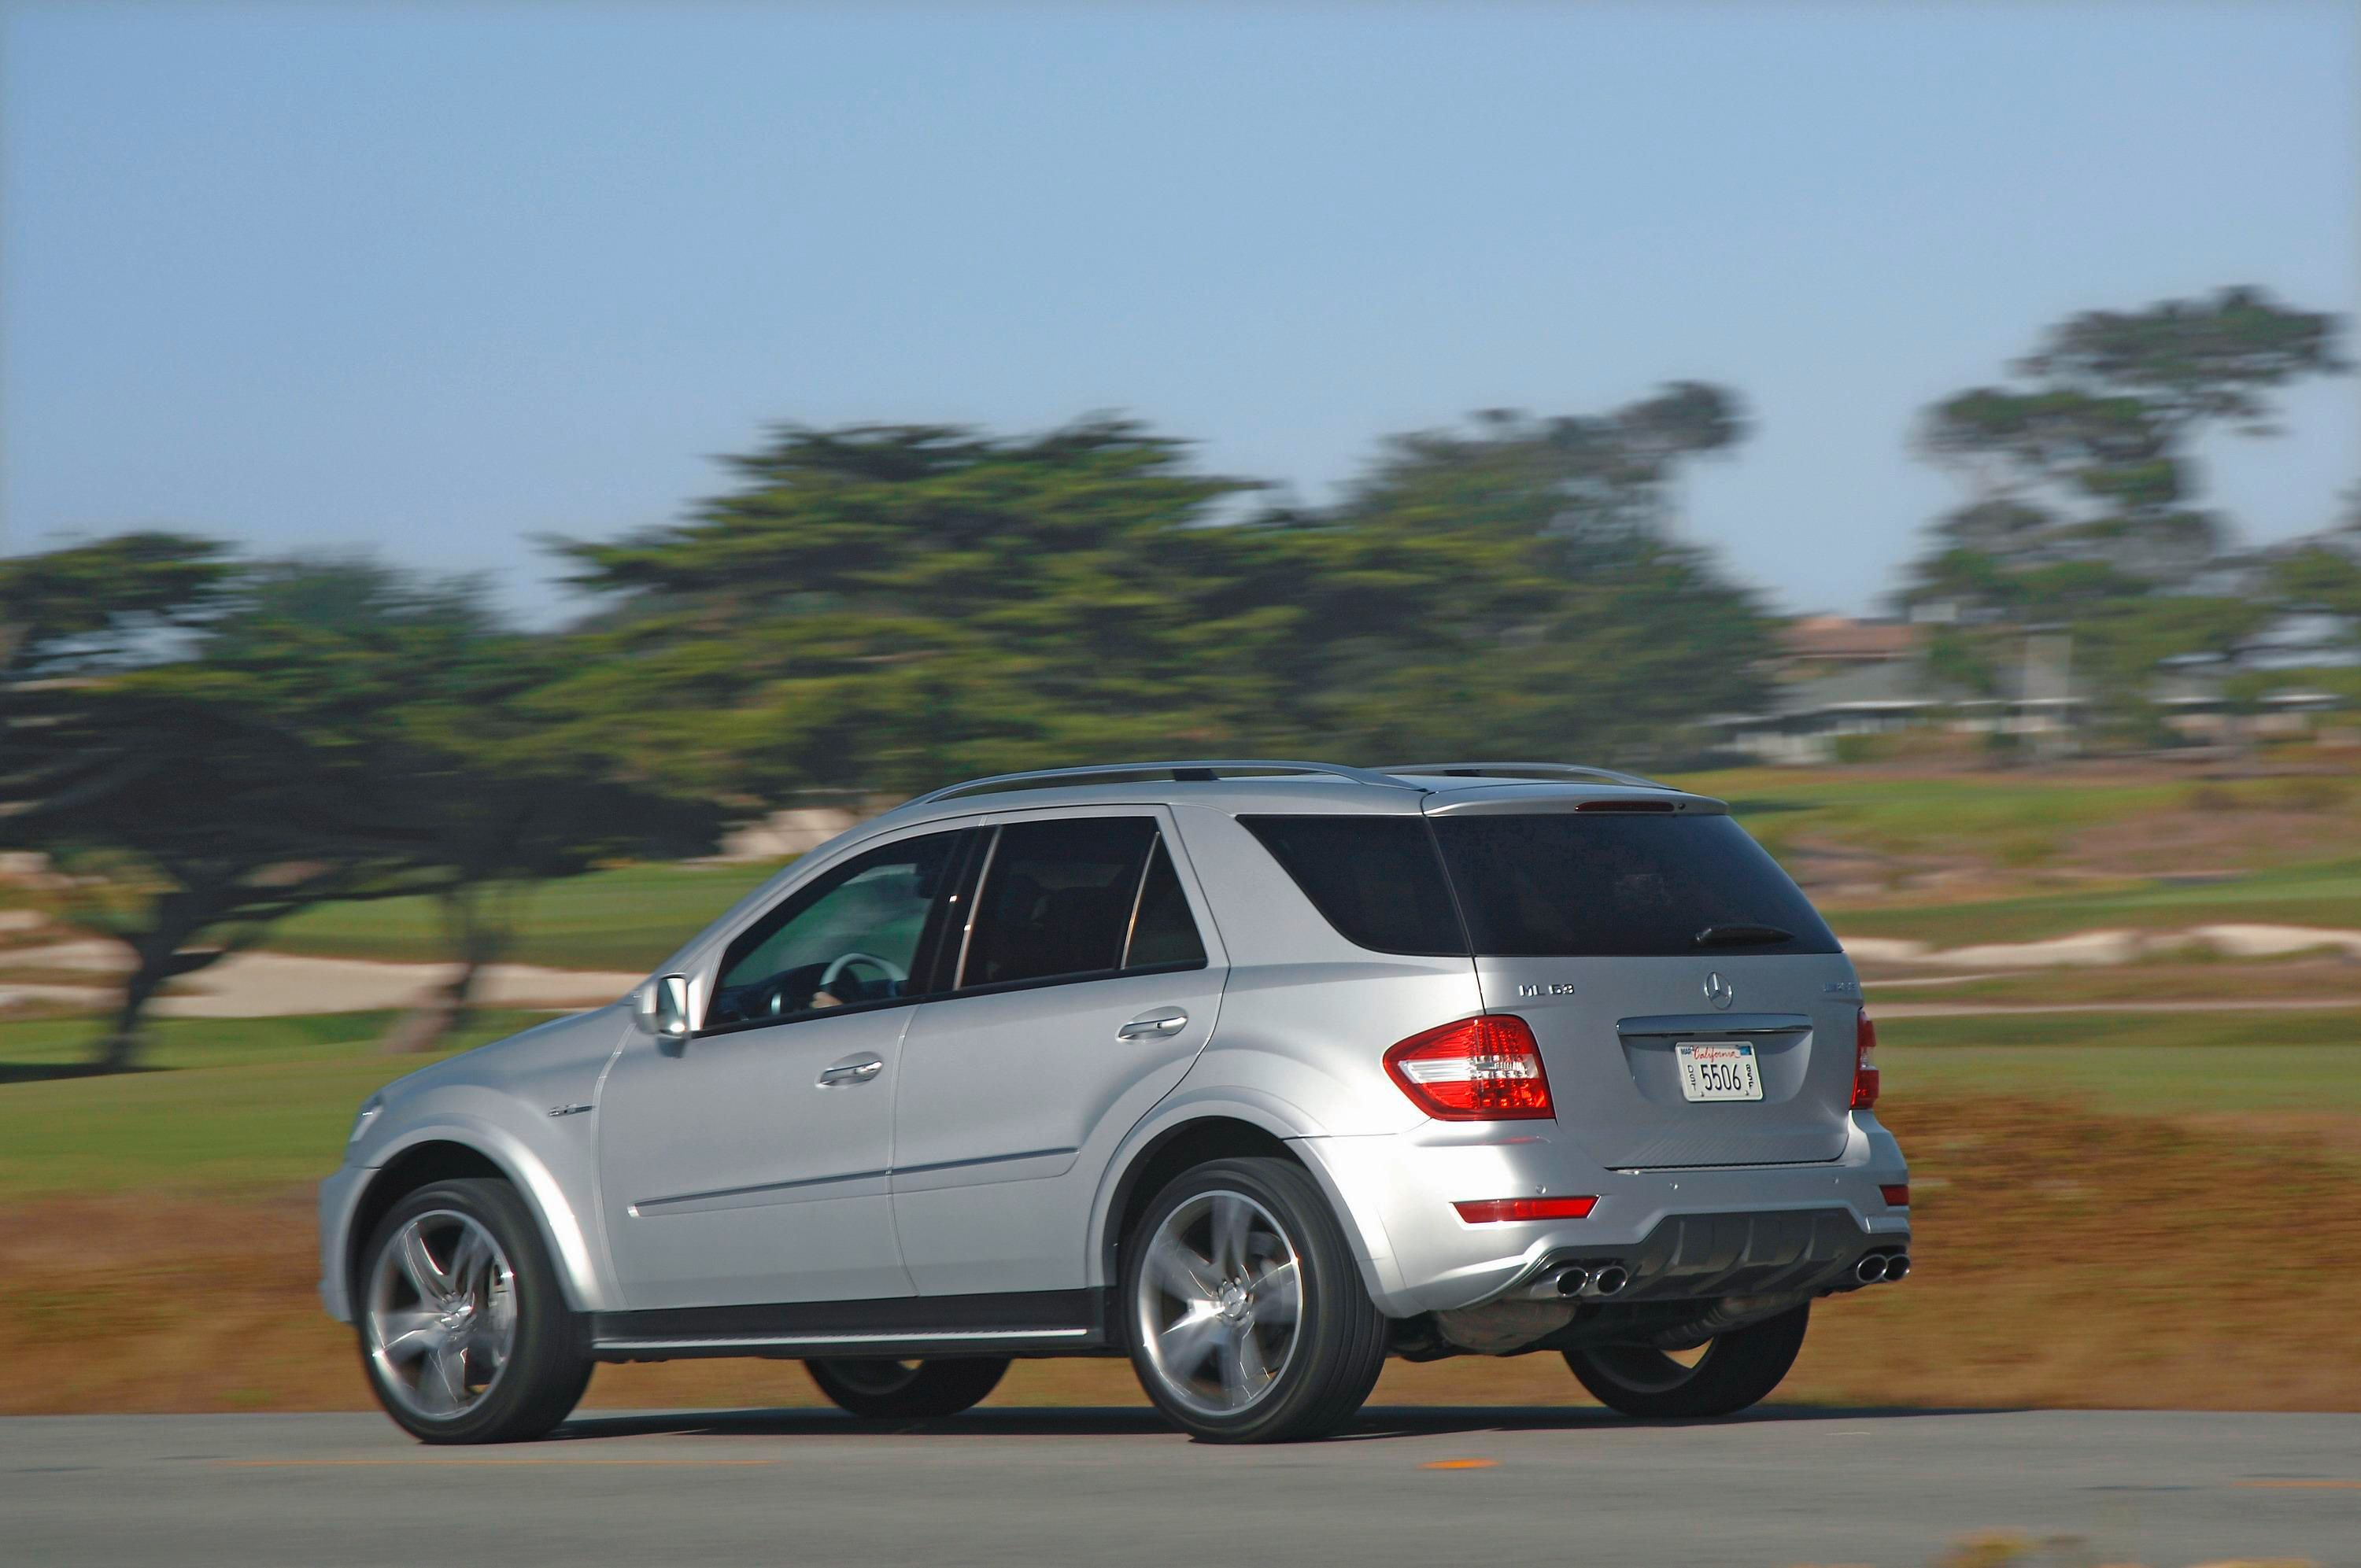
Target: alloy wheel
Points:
(1220, 1302)
(442, 1314)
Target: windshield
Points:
(1618, 885)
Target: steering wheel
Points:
(894, 972)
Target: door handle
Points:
(844, 1072)
(1153, 1026)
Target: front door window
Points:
(858, 937)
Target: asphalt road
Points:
(1570, 1486)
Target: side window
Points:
(1066, 900)
(1163, 932)
(856, 936)
(1375, 879)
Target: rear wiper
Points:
(1741, 935)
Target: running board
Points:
(1028, 1322)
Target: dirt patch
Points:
(2271, 823)
(2063, 1259)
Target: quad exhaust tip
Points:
(1883, 1265)
(1581, 1280)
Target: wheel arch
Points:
(1165, 1155)
(443, 1154)
(1231, 1127)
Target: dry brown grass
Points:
(2064, 1259)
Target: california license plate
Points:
(1717, 1070)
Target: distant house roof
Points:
(1898, 688)
(1840, 639)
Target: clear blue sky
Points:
(438, 277)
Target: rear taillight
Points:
(1495, 1210)
(1864, 1064)
(1477, 1070)
(1897, 1195)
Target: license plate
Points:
(1717, 1070)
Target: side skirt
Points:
(1022, 1323)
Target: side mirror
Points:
(668, 1011)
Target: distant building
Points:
(1810, 711)
(1817, 645)
(1807, 716)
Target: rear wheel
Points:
(884, 1389)
(1245, 1313)
(1735, 1370)
(463, 1331)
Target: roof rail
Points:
(1524, 771)
(1186, 772)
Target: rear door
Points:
(1085, 984)
(1692, 1008)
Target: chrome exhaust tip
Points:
(1609, 1281)
(1896, 1266)
(1870, 1269)
(1570, 1281)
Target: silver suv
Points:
(1255, 1072)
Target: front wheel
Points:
(463, 1331)
(1245, 1313)
(1735, 1370)
(882, 1389)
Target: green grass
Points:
(2325, 892)
(231, 1106)
(2140, 1063)
(624, 919)
(2017, 821)
(1917, 815)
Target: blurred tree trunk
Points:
(480, 924)
(160, 958)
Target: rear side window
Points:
(1078, 898)
(1163, 933)
(1623, 885)
(1375, 879)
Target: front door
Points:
(749, 1163)
(1086, 984)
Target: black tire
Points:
(1338, 1345)
(1738, 1369)
(879, 1389)
(542, 1375)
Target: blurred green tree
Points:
(888, 608)
(2084, 489)
(881, 608)
(1515, 588)
(212, 757)
(195, 789)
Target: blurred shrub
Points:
(1854, 750)
(2026, 846)
(2310, 792)
(2213, 797)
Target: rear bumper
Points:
(1689, 1232)
(1688, 1257)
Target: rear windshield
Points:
(1612, 884)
